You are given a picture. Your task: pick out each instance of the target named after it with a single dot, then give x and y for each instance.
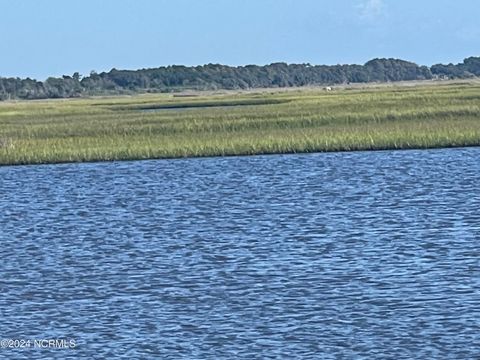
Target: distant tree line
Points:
(216, 76)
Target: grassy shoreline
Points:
(229, 156)
(268, 122)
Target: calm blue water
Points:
(368, 255)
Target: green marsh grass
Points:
(105, 129)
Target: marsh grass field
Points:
(264, 122)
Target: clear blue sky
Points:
(55, 37)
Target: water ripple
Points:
(349, 255)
